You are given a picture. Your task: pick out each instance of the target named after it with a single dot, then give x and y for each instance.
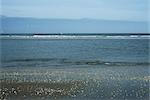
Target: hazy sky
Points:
(130, 10)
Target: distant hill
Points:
(33, 25)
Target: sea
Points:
(74, 67)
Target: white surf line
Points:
(75, 37)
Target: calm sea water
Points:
(76, 69)
(109, 50)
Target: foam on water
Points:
(74, 36)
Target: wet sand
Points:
(105, 83)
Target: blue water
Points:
(111, 50)
(104, 68)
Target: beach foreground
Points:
(105, 83)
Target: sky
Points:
(124, 10)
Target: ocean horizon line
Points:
(75, 33)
